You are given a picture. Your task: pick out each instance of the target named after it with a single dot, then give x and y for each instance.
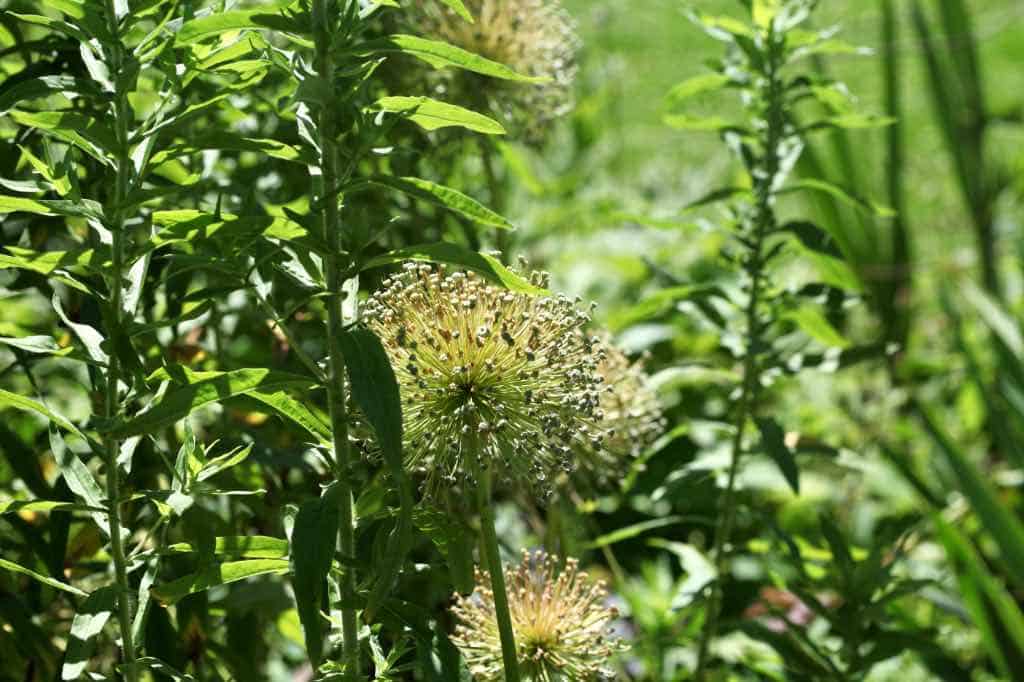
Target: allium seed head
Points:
(533, 37)
(631, 417)
(561, 624)
(507, 377)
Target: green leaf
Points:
(44, 86)
(199, 391)
(765, 11)
(1006, 529)
(454, 540)
(240, 547)
(459, 8)
(85, 208)
(91, 136)
(80, 480)
(56, 584)
(993, 609)
(53, 24)
(700, 123)
(773, 440)
(453, 254)
(8, 399)
(45, 506)
(445, 197)
(842, 195)
(375, 390)
(313, 540)
(88, 623)
(190, 225)
(431, 114)
(223, 463)
(440, 55)
(308, 417)
(698, 85)
(42, 345)
(213, 25)
(217, 574)
(630, 532)
(156, 665)
(813, 323)
(229, 141)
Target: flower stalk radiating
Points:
(492, 381)
(506, 379)
(630, 414)
(562, 626)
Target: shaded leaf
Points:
(773, 440)
(313, 540)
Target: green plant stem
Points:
(763, 224)
(492, 558)
(122, 115)
(323, 34)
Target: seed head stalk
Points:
(491, 556)
(324, 19)
(763, 223)
(117, 57)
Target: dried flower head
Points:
(533, 37)
(505, 377)
(562, 626)
(631, 416)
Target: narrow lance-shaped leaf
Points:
(773, 440)
(440, 55)
(217, 574)
(430, 114)
(1004, 527)
(199, 391)
(44, 86)
(375, 390)
(446, 197)
(215, 24)
(313, 540)
(89, 621)
(56, 584)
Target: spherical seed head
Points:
(534, 37)
(631, 416)
(561, 624)
(504, 377)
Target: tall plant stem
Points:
(492, 558)
(763, 223)
(117, 56)
(323, 34)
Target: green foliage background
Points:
(878, 532)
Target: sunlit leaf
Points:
(447, 197)
(217, 574)
(431, 114)
(440, 55)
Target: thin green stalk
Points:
(112, 407)
(491, 556)
(323, 33)
(763, 224)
